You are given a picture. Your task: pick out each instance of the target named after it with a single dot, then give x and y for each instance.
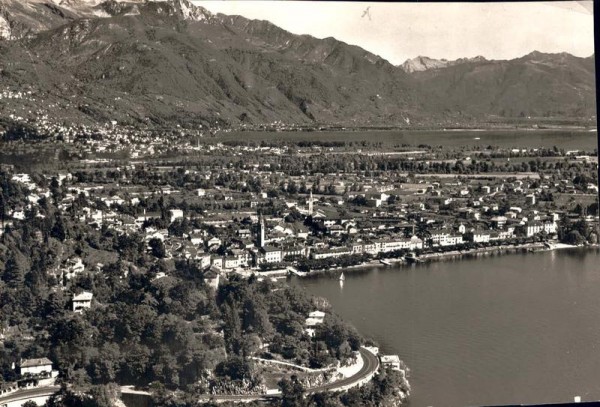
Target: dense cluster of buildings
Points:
(254, 214)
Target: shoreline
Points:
(455, 254)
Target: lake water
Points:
(520, 328)
(567, 139)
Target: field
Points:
(568, 139)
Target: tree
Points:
(105, 395)
(325, 400)
(574, 237)
(256, 317)
(14, 272)
(359, 200)
(104, 367)
(236, 368)
(292, 392)
(96, 396)
(582, 227)
(59, 231)
(158, 248)
(292, 188)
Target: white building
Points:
(175, 214)
(332, 252)
(73, 267)
(35, 366)
(481, 237)
(214, 241)
(392, 361)
(400, 244)
(315, 318)
(82, 301)
(231, 262)
(533, 228)
(196, 239)
(437, 236)
(451, 240)
(212, 277)
(271, 255)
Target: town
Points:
(246, 207)
(101, 208)
(271, 205)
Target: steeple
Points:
(261, 230)
(310, 204)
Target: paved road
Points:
(24, 395)
(370, 366)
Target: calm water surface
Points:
(567, 139)
(494, 330)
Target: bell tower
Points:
(261, 231)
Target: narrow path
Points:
(298, 367)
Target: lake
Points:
(504, 329)
(568, 139)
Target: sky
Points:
(398, 31)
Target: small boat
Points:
(385, 262)
(342, 278)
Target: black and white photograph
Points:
(235, 203)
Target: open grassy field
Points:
(570, 200)
(568, 139)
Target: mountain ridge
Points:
(164, 62)
(423, 63)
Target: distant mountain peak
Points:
(188, 10)
(21, 18)
(423, 63)
(184, 8)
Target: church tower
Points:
(261, 231)
(310, 204)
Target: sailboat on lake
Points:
(342, 277)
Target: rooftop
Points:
(35, 362)
(84, 296)
(390, 359)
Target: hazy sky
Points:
(397, 31)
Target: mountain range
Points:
(171, 62)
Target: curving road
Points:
(26, 394)
(370, 366)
